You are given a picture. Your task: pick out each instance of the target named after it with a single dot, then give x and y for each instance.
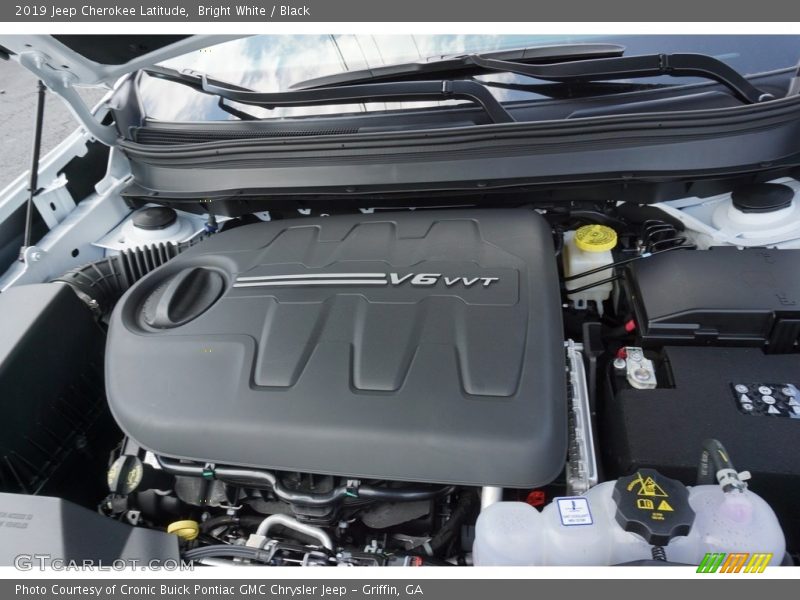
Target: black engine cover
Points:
(420, 346)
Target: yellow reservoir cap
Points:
(595, 238)
(187, 530)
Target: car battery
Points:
(746, 399)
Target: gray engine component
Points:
(419, 346)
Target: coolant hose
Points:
(468, 503)
(716, 467)
(226, 550)
(265, 479)
(247, 521)
(713, 459)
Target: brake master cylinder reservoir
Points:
(587, 248)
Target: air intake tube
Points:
(101, 283)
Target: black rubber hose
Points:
(101, 283)
(432, 561)
(267, 480)
(403, 494)
(334, 496)
(247, 521)
(713, 459)
(226, 551)
(467, 503)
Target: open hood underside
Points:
(65, 62)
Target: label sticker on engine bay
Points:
(574, 511)
(767, 399)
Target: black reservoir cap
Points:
(762, 197)
(653, 506)
(153, 218)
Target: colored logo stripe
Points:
(734, 562)
(758, 562)
(711, 562)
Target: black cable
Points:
(594, 284)
(677, 241)
(625, 261)
(611, 265)
(656, 233)
(558, 239)
(652, 238)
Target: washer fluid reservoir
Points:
(587, 248)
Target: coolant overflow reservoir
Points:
(597, 529)
(587, 248)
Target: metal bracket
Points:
(61, 83)
(33, 260)
(582, 472)
(54, 202)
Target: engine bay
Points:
(600, 384)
